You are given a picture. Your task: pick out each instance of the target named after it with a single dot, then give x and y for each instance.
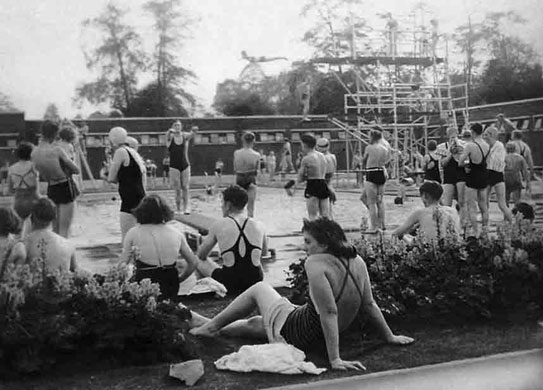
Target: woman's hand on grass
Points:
(400, 340)
(345, 365)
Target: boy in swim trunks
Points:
(375, 158)
(516, 171)
(313, 172)
(246, 163)
(241, 260)
(177, 142)
(476, 152)
(323, 146)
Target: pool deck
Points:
(509, 371)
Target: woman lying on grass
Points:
(339, 286)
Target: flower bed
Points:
(498, 277)
(50, 317)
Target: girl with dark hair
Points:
(339, 286)
(154, 246)
(23, 182)
(246, 165)
(11, 250)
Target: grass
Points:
(434, 344)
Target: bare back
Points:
(227, 233)
(376, 155)
(313, 166)
(56, 251)
(246, 160)
(352, 298)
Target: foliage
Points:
(490, 278)
(49, 317)
(52, 113)
(152, 101)
(171, 25)
(5, 103)
(235, 98)
(118, 60)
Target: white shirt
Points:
(496, 157)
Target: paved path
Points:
(510, 371)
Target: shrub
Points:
(499, 277)
(50, 317)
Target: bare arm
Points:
(236, 161)
(119, 158)
(411, 220)
(190, 134)
(372, 310)
(11, 187)
(67, 161)
(18, 254)
(127, 247)
(301, 172)
(190, 257)
(208, 244)
(74, 266)
(365, 158)
(465, 155)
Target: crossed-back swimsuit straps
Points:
(242, 261)
(303, 326)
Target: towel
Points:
(277, 358)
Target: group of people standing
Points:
(472, 167)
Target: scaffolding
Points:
(408, 95)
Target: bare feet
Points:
(203, 331)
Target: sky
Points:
(41, 41)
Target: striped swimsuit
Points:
(303, 325)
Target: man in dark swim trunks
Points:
(375, 158)
(476, 152)
(246, 163)
(177, 142)
(313, 172)
(242, 243)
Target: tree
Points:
(5, 104)
(235, 98)
(337, 26)
(468, 37)
(171, 26)
(118, 60)
(51, 113)
(152, 101)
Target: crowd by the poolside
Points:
(461, 169)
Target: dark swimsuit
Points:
(477, 176)
(302, 327)
(130, 185)
(245, 179)
(317, 188)
(376, 176)
(63, 193)
(243, 274)
(433, 173)
(166, 276)
(178, 157)
(452, 172)
(25, 195)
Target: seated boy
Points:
(432, 217)
(242, 242)
(56, 251)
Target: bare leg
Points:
(448, 194)
(461, 201)
(185, 186)
(312, 205)
(252, 327)
(515, 196)
(381, 206)
(251, 193)
(471, 204)
(65, 216)
(325, 209)
(502, 204)
(128, 221)
(260, 295)
(482, 201)
(206, 268)
(371, 194)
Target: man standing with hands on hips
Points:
(177, 142)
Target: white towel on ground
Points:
(277, 357)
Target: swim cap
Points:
(132, 142)
(323, 143)
(118, 136)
